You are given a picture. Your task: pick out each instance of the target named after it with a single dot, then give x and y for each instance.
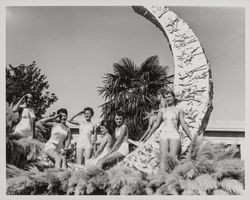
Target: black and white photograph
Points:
(130, 99)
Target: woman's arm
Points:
(156, 124)
(46, 120)
(101, 146)
(17, 106)
(72, 121)
(67, 143)
(150, 124)
(120, 139)
(94, 135)
(89, 135)
(184, 125)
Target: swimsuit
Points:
(94, 161)
(58, 135)
(123, 149)
(146, 157)
(170, 119)
(84, 130)
(25, 127)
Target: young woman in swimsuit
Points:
(57, 146)
(170, 116)
(86, 131)
(25, 127)
(105, 145)
(120, 148)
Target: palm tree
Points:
(132, 89)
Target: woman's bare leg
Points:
(115, 156)
(55, 156)
(64, 162)
(88, 153)
(79, 155)
(175, 147)
(164, 151)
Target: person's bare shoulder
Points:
(179, 110)
(124, 128)
(108, 136)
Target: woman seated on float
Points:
(120, 148)
(105, 143)
(57, 146)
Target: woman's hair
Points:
(30, 97)
(106, 123)
(160, 91)
(120, 113)
(62, 110)
(164, 91)
(89, 109)
(155, 105)
(171, 92)
(29, 103)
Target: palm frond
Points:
(228, 153)
(19, 152)
(194, 147)
(183, 168)
(191, 187)
(232, 186)
(205, 150)
(125, 181)
(150, 61)
(12, 171)
(233, 168)
(171, 162)
(12, 118)
(42, 131)
(171, 185)
(126, 68)
(155, 181)
(206, 182)
(204, 166)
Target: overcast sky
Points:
(76, 46)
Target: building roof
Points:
(212, 125)
(226, 126)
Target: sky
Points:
(76, 46)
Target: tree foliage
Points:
(25, 79)
(133, 89)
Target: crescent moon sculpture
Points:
(192, 83)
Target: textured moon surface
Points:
(192, 83)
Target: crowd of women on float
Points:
(114, 144)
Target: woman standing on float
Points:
(86, 131)
(58, 144)
(145, 157)
(170, 139)
(25, 128)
